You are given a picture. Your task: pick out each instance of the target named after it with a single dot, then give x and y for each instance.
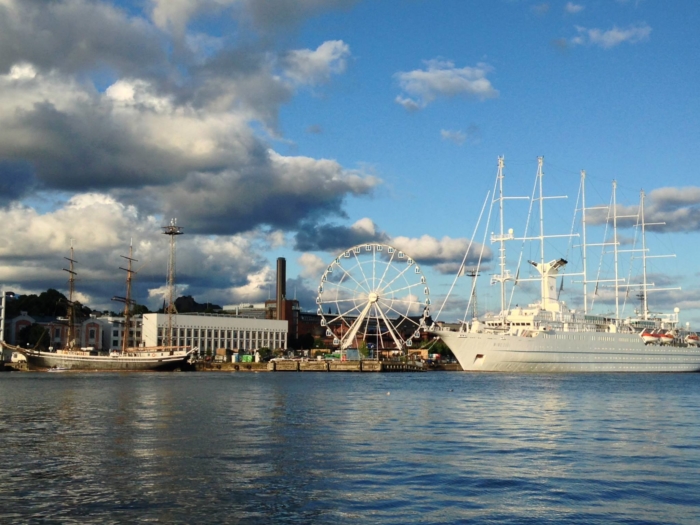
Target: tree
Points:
(305, 341)
(139, 309)
(265, 353)
(34, 336)
(363, 349)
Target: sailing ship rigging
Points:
(547, 335)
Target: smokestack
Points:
(281, 287)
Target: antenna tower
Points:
(172, 230)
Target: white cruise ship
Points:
(548, 336)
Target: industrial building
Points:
(210, 332)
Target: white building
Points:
(210, 332)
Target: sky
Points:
(300, 128)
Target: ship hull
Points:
(567, 352)
(37, 360)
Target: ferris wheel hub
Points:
(373, 297)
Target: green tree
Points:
(265, 353)
(34, 336)
(363, 349)
(139, 309)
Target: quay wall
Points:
(313, 366)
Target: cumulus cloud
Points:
(444, 254)
(32, 247)
(312, 266)
(195, 155)
(441, 78)
(281, 192)
(305, 66)
(611, 37)
(133, 117)
(78, 35)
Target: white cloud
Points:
(312, 266)
(429, 250)
(442, 78)
(305, 66)
(456, 136)
(612, 37)
(572, 8)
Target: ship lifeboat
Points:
(692, 339)
(666, 338)
(649, 337)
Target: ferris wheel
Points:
(373, 294)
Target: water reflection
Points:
(343, 448)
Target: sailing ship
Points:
(128, 357)
(548, 336)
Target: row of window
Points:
(216, 333)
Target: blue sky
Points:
(297, 128)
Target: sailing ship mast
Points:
(71, 291)
(127, 300)
(501, 238)
(172, 230)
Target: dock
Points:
(292, 365)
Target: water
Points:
(349, 448)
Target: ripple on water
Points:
(335, 448)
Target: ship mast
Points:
(645, 305)
(127, 300)
(584, 241)
(473, 273)
(501, 237)
(172, 230)
(615, 251)
(71, 292)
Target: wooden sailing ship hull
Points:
(140, 360)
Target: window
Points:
(92, 333)
(115, 333)
(57, 333)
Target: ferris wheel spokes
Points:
(349, 337)
(367, 286)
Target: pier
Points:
(315, 366)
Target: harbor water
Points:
(333, 448)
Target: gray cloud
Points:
(277, 13)
(665, 210)
(281, 192)
(335, 238)
(77, 35)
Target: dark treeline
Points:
(53, 303)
